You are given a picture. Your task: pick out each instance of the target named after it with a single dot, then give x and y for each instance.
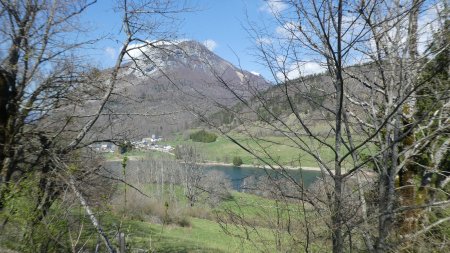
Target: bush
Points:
(183, 222)
(237, 161)
(203, 136)
(140, 207)
(125, 147)
(178, 152)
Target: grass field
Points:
(202, 236)
(204, 233)
(145, 230)
(207, 235)
(272, 149)
(139, 154)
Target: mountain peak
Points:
(189, 60)
(200, 77)
(192, 43)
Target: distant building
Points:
(103, 147)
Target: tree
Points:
(237, 161)
(365, 100)
(217, 186)
(192, 174)
(203, 136)
(53, 104)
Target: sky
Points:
(219, 24)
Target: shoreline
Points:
(212, 163)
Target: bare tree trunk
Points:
(122, 242)
(407, 192)
(336, 217)
(368, 241)
(387, 187)
(91, 215)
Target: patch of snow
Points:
(240, 75)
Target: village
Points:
(149, 143)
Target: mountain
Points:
(177, 80)
(310, 97)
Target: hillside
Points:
(174, 79)
(274, 109)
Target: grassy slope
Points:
(137, 154)
(203, 235)
(206, 235)
(272, 149)
(280, 149)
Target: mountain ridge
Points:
(177, 79)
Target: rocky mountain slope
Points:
(176, 80)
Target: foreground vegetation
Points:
(151, 224)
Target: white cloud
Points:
(210, 44)
(111, 52)
(301, 69)
(273, 6)
(310, 68)
(288, 30)
(255, 73)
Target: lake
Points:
(238, 174)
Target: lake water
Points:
(238, 174)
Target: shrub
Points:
(198, 212)
(203, 136)
(125, 147)
(237, 161)
(140, 207)
(183, 222)
(178, 153)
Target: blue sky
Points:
(220, 23)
